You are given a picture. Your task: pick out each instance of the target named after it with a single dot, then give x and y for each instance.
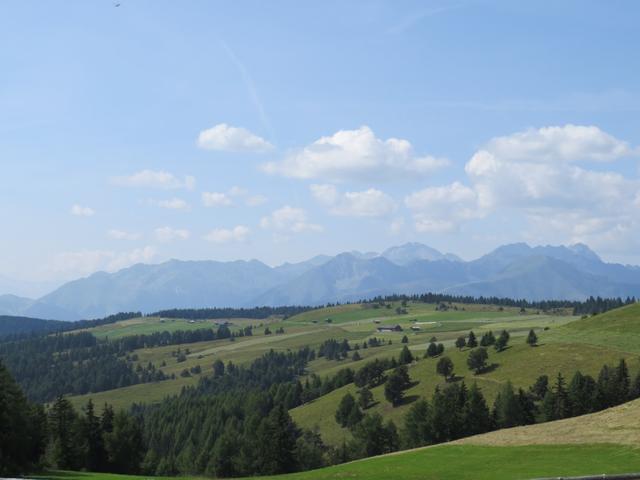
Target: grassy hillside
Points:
(569, 344)
(520, 364)
(355, 322)
(619, 425)
(616, 329)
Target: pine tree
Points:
(622, 382)
(444, 367)
(477, 360)
(22, 428)
(348, 413)
(581, 394)
(64, 435)
(405, 356)
(476, 417)
(460, 343)
(432, 350)
(487, 339)
(397, 382)
(502, 341)
(373, 437)
(365, 398)
(218, 368)
(124, 445)
(540, 387)
(472, 342)
(417, 426)
(405, 339)
(96, 455)
(507, 408)
(276, 440)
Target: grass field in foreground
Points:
(461, 462)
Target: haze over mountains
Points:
(516, 271)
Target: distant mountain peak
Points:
(413, 251)
(584, 251)
(516, 270)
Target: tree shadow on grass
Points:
(409, 399)
(371, 405)
(490, 368)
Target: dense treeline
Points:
(235, 423)
(10, 325)
(22, 429)
(78, 363)
(19, 328)
(75, 364)
(211, 313)
(590, 306)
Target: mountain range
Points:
(516, 271)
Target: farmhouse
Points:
(389, 328)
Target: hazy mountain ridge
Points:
(517, 271)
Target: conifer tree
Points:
(96, 455)
(406, 356)
(365, 398)
(417, 426)
(348, 413)
(396, 384)
(277, 437)
(124, 445)
(444, 367)
(477, 360)
(432, 350)
(472, 342)
(501, 343)
(532, 338)
(476, 417)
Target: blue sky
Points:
(280, 130)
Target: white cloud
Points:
(289, 219)
(358, 155)
(85, 262)
(155, 179)
(172, 204)
(441, 209)
(122, 235)
(80, 211)
(238, 233)
(546, 176)
(168, 234)
(569, 143)
(216, 199)
(234, 195)
(255, 200)
(368, 203)
(226, 138)
(236, 191)
(537, 169)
